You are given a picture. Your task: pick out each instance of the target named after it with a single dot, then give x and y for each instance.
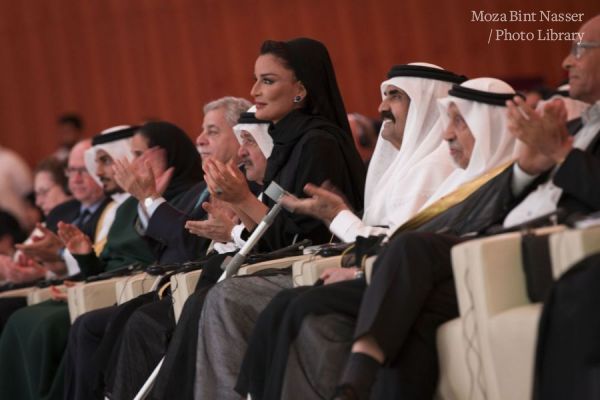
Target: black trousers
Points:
(84, 338)
(94, 343)
(411, 294)
(144, 340)
(567, 364)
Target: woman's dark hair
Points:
(56, 169)
(279, 50)
(181, 154)
(311, 64)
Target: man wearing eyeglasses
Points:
(84, 210)
(556, 153)
(566, 360)
(583, 64)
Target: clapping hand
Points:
(74, 240)
(324, 202)
(545, 136)
(219, 224)
(146, 176)
(45, 245)
(24, 270)
(225, 181)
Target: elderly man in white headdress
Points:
(488, 150)
(256, 146)
(323, 317)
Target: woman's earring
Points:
(297, 99)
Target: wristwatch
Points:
(359, 274)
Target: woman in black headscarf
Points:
(297, 91)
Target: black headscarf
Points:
(312, 65)
(181, 154)
(310, 61)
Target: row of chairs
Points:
(487, 353)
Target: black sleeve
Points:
(315, 159)
(89, 264)
(176, 244)
(579, 178)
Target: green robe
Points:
(34, 340)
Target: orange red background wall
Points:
(123, 61)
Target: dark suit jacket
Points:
(69, 211)
(170, 241)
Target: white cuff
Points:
(225, 247)
(345, 226)
(145, 214)
(520, 180)
(236, 235)
(157, 202)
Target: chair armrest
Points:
(571, 246)
(369, 262)
(489, 272)
(86, 297)
(278, 263)
(182, 286)
(305, 272)
(23, 292)
(37, 295)
(134, 286)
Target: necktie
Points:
(203, 196)
(82, 218)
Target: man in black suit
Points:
(165, 227)
(88, 196)
(567, 352)
(84, 211)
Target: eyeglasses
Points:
(43, 191)
(72, 171)
(578, 48)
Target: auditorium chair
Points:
(488, 352)
(279, 263)
(23, 292)
(133, 286)
(88, 296)
(182, 286)
(37, 295)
